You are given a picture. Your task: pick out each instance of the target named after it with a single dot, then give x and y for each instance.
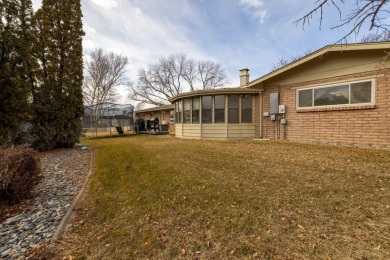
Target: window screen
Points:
(187, 111)
(219, 109)
(233, 102)
(195, 110)
(206, 109)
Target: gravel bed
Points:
(64, 172)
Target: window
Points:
(337, 95)
(187, 111)
(305, 98)
(233, 109)
(246, 109)
(343, 94)
(206, 109)
(195, 110)
(219, 109)
(171, 116)
(361, 92)
(178, 110)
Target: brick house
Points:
(164, 113)
(337, 94)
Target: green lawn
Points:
(163, 198)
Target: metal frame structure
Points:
(104, 116)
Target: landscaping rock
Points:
(13, 220)
(6, 252)
(64, 172)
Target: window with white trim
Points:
(352, 93)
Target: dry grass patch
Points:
(153, 197)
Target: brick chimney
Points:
(244, 77)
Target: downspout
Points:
(261, 112)
(200, 117)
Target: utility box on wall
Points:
(274, 103)
(282, 109)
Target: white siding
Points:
(191, 131)
(179, 130)
(241, 131)
(214, 131)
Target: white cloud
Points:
(89, 29)
(256, 8)
(226, 32)
(88, 44)
(261, 15)
(142, 32)
(252, 3)
(36, 4)
(107, 3)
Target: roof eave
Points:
(318, 53)
(153, 109)
(213, 92)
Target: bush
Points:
(20, 172)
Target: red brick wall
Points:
(366, 126)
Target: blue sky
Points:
(251, 34)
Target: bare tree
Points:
(173, 75)
(211, 75)
(373, 12)
(191, 74)
(283, 62)
(104, 72)
(280, 63)
(382, 36)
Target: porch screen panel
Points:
(219, 109)
(233, 103)
(206, 109)
(187, 111)
(178, 109)
(195, 110)
(176, 112)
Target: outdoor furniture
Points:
(119, 130)
(164, 128)
(155, 124)
(148, 125)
